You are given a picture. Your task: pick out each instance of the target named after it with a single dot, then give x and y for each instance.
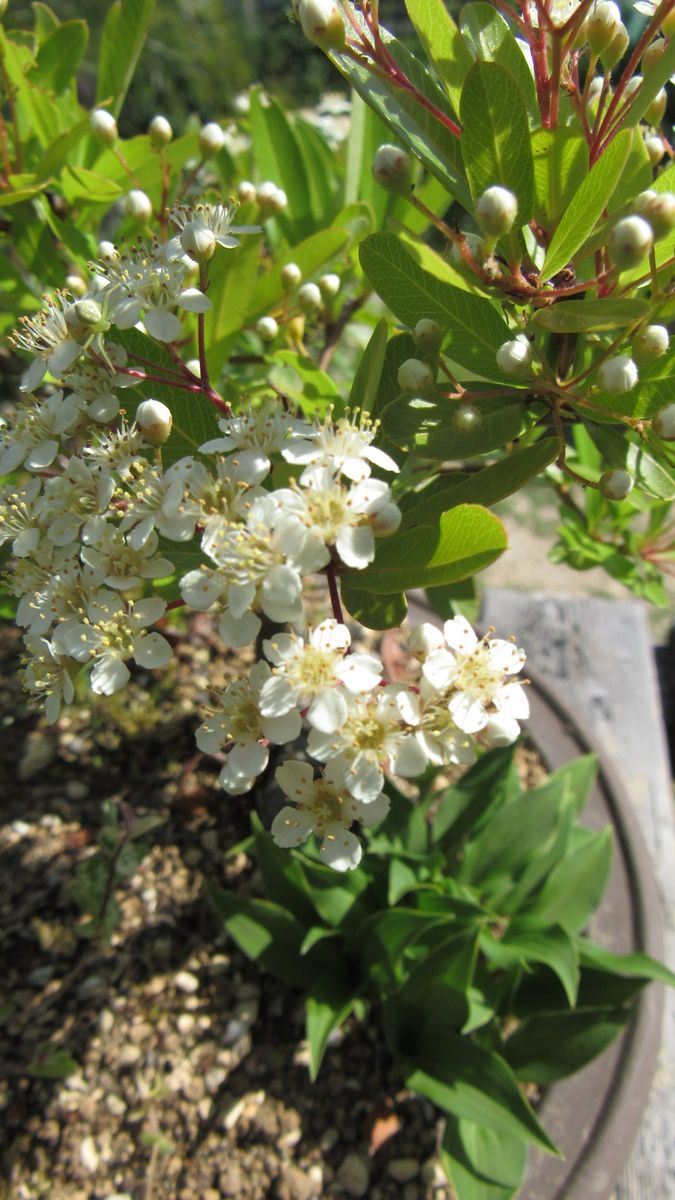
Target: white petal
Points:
(512, 701)
(409, 758)
(281, 594)
(296, 779)
(283, 647)
(328, 711)
(440, 669)
(277, 697)
(356, 546)
(360, 673)
(152, 650)
(240, 597)
(162, 325)
(375, 811)
(291, 827)
(379, 459)
(506, 657)
(247, 761)
(238, 631)
(459, 635)
(34, 376)
(193, 300)
(41, 456)
(147, 612)
(201, 588)
(467, 713)
(330, 635)
(501, 730)
(63, 357)
(109, 675)
(282, 729)
(212, 734)
(340, 849)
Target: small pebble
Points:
(185, 981)
(185, 1023)
(76, 790)
(89, 1156)
(115, 1105)
(403, 1169)
(106, 1021)
(354, 1175)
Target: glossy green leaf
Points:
(586, 316)
(124, 33)
(547, 1048)
(587, 205)
(474, 326)
(490, 40)
(232, 282)
(627, 452)
(524, 944)
(482, 1164)
(328, 1003)
(489, 783)
(266, 933)
(369, 371)
(442, 266)
(305, 383)
(465, 540)
(60, 151)
(560, 160)
(575, 887)
(471, 1083)
(374, 612)
(486, 486)
(60, 55)
(278, 157)
(636, 964)
(427, 426)
(658, 75)
(504, 845)
(443, 43)
(284, 880)
(495, 137)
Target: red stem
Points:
(334, 592)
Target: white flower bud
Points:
(651, 343)
(154, 420)
(198, 241)
(654, 113)
(634, 84)
(616, 485)
(309, 297)
(138, 205)
(425, 639)
(501, 730)
(602, 25)
(392, 168)
(290, 276)
(247, 192)
(87, 312)
(159, 131)
(428, 335)
(267, 329)
(107, 251)
(630, 242)
(616, 49)
(496, 211)
(515, 357)
(194, 367)
(271, 199)
(467, 418)
(664, 423)
(386, 520)
(655, 149)
(76, 285)
(103, 125)
(415, 376)
(322, 23)
(658, 208)
(618, 374)
(211, 139)
(595, 89)
(329, 285)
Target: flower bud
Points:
(425, 639)
(387, 520)
(415, 376)
(211, 139)
(496, 211)
(616, 485)
(654, 113)
(467, 418)
(76, 285)
(247, 192)
(271, 199)
(651, 343)
(655, 149)
(309, 297)
(602, 24)
(159, 131)
(515, 357)
(658, 208)
(322, 23)
(595, 89)
(154, 420)
(617, 48)
(664, 423)
(428, 336)
(103, 126)
(198, 241)
(392, 168)
(329, 285)
(618, 374)
(501, 730)
(194, 367)
(267, 329)
(652, 55)
(138, 205)
(290, 276)
(630, 242)
(107, 251)
(87, 313)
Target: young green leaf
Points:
(267, 934)
(489, 39)
(495, 137)
(525, 943)
(369, 371)
(124, 33)
(279, 158)
(374, 612)
(636, 964)
(488, 784)
(575, 887)
(444, 45)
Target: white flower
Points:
(117, 449)
(45, 674)
(35, 436)
(19, 517)
(112, 633)
(240, 725)
(261, 431)
(74, 498)
(49, 337)
(308, 675)
(442, 741)
(212, 220)
(474, 676)
(92, 385)
(156, 502)
(323, 807)
(148, 284)
(123, 565)
(344, 445)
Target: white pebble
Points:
(185, 981)
(89, 1156)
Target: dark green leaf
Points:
(495, 137)
(489, 783)
(636, 963)
(329, 1001)
(374, 612)
(482, 1164)
(575, 887)
(490, 40)
(547, 1048)
(267, 934)
(427, 426)
(369, 371)
(51, 1061)
(627, 452)
(585, 316)
(285, 883)
(505, 844)
(524, 943)
(560, 158)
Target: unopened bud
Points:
(198, 241)
(616, 485)
(424, 640)
(309, 297)
(386, 520)
(655, 149)
(652, 54)
(392, 168)
(290, 276)
(322, 23)
(618, 374)
(496, 211)
(247, 192)
(107, 251)
(103, 125)
(154, 420)
(329, 285)
(664, 423)
(617, 48)
(194, 367)
(658, 208)
(630, 242)
(515, 357)
(602, 24)
(428, 336)
(159, 131)
(654, 113)
(415, 376)
(87, 312)
(211, 139)
(474, 244)
(501, 730)
(651, 343)
(267, 329)
(466, 418)
(138, 205)
(271, 199)
(76, 285)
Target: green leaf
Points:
(504, 845)
(490, 40)
(578, 778)
(233, 277)
(482, 1164)
(405, 829)
(658, 75)
(489, 783)
(627, 452)
(328, 1003)
(278, 157)
(637, 963)
(474, 326)
(310, 256)
(585, 316)
(575, 887)
(486, 486)
(285, 882)
(495, 137)
(472, 1083)
(399, 348)
(547, 1048)
(39, 111)
(587, 205)
(444, 45)
(523, 943)
(320, 167)
(560, 160)
(384, 937)
(81, 184)
(427, 426)
(465, 540)
(266, 933)
(366, 133)
(62, 148)
(60, 55)
(51, 1061)
(435, 990)
(124, 33)
(374, 612)
(338, 897)
(305, 384)
(369, 371)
